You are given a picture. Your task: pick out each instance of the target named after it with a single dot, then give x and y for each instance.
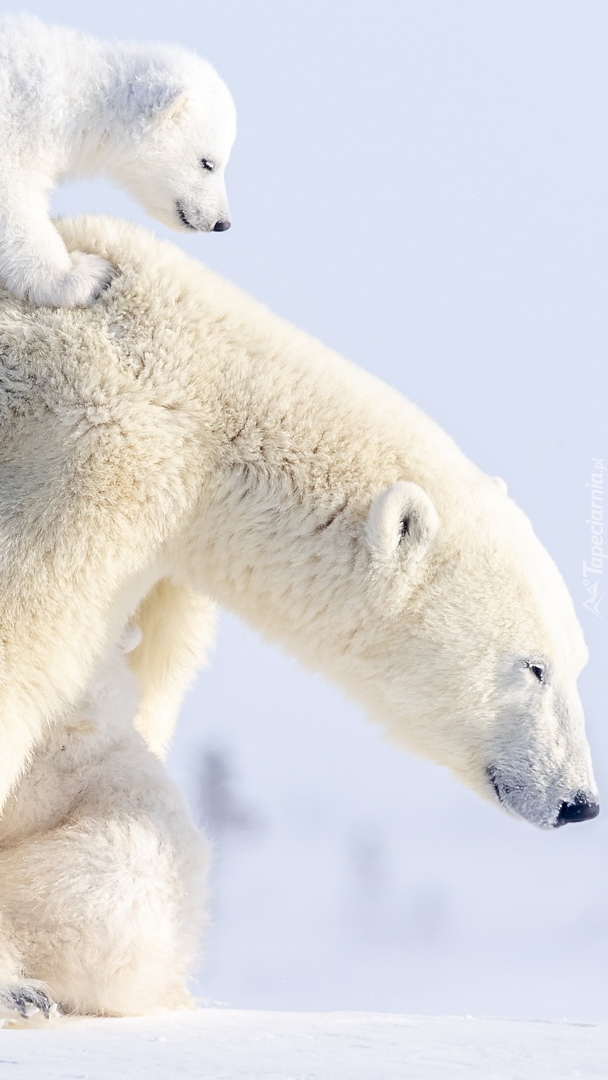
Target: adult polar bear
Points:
(173, 446)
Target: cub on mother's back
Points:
(156, 118)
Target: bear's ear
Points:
(502, 484)
(402, 520)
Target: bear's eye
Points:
(537, 669)
(206, 164)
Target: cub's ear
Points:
(502, 484)
(402, 521)
(149, 96)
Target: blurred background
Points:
(423, 186)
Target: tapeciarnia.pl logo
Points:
(593, 571)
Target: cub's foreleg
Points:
(35, 264)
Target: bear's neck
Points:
(306, 440)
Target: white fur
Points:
(175, 446)
(102, 874)
(146, 115)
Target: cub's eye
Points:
(537, 669)
(206, 164)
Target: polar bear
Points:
(155, 118)
(174, 447)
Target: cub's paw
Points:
(89, 277)
(25, 1001)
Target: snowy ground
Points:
(217, 1044)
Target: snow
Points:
(228, 1044)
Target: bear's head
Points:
(472, 650)
(180, 126)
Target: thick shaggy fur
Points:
(102, 873)
(155, 118)
(176, 445)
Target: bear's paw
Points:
(25, 1001)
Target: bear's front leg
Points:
(35, 264)
(105, 909)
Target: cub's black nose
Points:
(221, 226)
(580, 809)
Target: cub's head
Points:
(180, 125)
(472, 650)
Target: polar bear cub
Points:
(155, 118)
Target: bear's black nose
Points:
(580, 809)
(221, 226)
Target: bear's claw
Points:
(26, 999)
